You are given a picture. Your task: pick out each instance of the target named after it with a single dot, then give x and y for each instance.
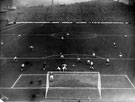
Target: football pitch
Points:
(104, 83)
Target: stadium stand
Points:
(85, 11)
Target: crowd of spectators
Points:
(85, 11)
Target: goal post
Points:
(47, 85)
(99, 84)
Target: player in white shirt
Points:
(2, 43)
(114, 44)
(125, 36)
(107, 61)
(22, 67)
(58, 68)
(67, 34)
(78, 59)
(61, 56)
(88, 61)
(15, 59)
(91, 65)
(64, 67)
(62, 38)
(19, 36)
(120, 55)
(31, 48)
(4, 99)
(44, 66)
(93, 54)
(51, 77)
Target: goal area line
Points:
(59, 72)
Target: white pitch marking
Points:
(57, 72)
(30, 22)
(81, 22)
(64, 87)
(108, 35)
(46, 22)
(111, 75)
(16, 81)
(3, 88)
(33, 74)
(68, 88)
(29, 88)
(130, 82)
(67, 22)
(117, 88)
(12, 28)
(98, 57)
(27, 101)
(22, 88)
(6, 88)
(88, 37)
(55, 22)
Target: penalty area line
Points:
(130, 82)
(33, 75)
(22, 88)
(16, 81)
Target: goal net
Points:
(77, 83)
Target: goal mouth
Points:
(74, 35)
(73, 85)
(75, 80)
